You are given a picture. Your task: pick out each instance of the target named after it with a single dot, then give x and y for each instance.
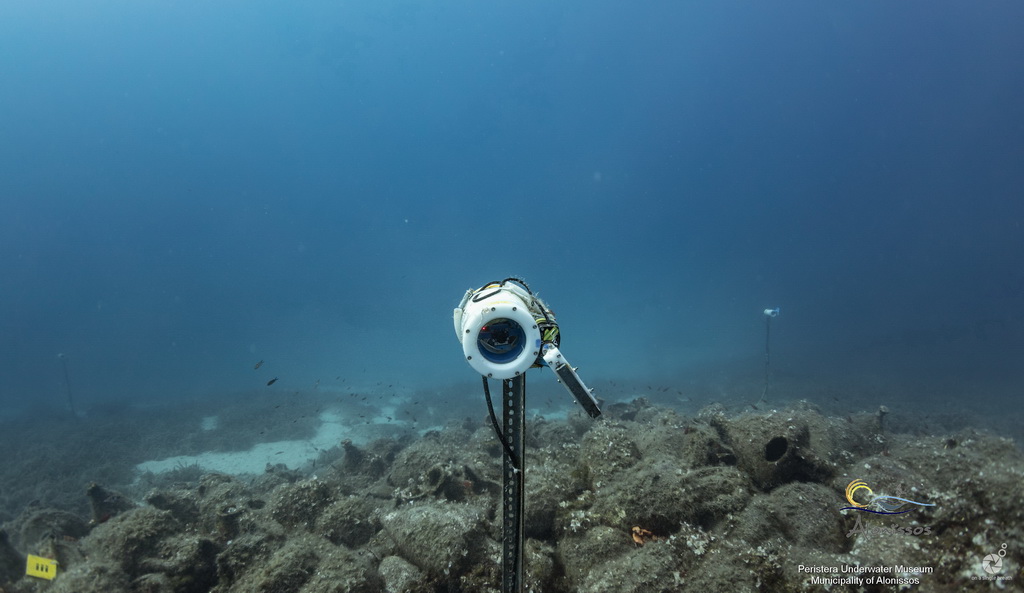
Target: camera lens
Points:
(502, 340)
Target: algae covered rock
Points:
(357, 468)
(287, 569)
(777, 449)
(144, 546)
(608, 449)
(704, 445)
(106, 503)
(227, 507)
(399, 575)
(540, 566)
(664, 436)
(442, 539)
(434, 449)
(36, 524)
(92, 577)
(547, 487)
(182, 503)
(349, 521)
(800, 514)
(341, 570)
(184, 562)
(129, 538)
(12, 564)
(657, 566)
(582, 554)
(242, 554)
(660, 497)
(608, 560)
(300, 504)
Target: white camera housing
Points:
(499, 334)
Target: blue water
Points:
(187, 188)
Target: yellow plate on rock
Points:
(44, 568)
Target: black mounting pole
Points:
(513, 404)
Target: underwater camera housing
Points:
(506, 330)
(498, 328)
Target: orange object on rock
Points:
(642, 536)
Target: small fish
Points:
(272, 381)
(258, 365)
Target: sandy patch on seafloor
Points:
(294, 453)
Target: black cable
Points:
(497, 427)
(479, 297)
(518, 281)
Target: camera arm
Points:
(567, 376)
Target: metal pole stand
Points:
(513, 403)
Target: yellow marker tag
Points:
(44, 568)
